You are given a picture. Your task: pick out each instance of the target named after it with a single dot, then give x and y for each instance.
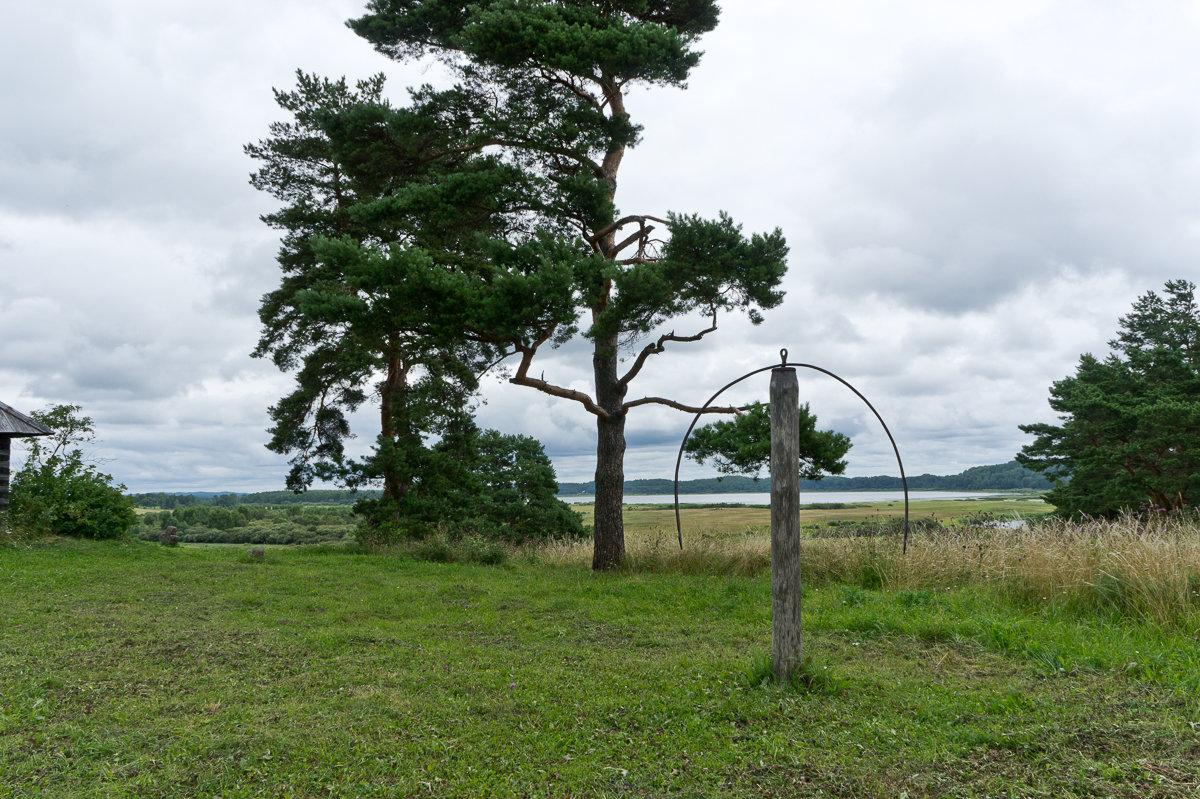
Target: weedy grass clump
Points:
(813, 675)
(714, 552)
(745, 555)
(446, 547)
(1144, 566)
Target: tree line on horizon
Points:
(998, 477)
(1009, 476)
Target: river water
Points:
(806, 497)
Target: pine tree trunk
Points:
(609, 529)
(392, 410)
(608, 545)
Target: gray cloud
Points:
(967, 183)
(973, 193)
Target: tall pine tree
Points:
(543, 84)
(382, 210)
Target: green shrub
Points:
(485, 485)
(74, 502)
(446, 547)
(56, 492)
(258, 524)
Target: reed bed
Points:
(1143, 565)
(714, 551)
(1140, 565)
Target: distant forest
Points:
(229, 499)
(1009, 476)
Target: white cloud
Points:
(973, 193)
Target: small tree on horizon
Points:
(742, 445)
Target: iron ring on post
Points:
(783, 353)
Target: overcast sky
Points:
(973, 194)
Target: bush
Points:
(487, 486)
(81, 503)
(56, 492)
(442, 548)
(258, 524)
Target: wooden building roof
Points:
(15, 424)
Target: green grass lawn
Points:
(130, 669)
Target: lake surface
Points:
(806, 497)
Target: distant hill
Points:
(1009, 476)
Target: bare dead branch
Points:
(660, 346)
(679, 406)
(622, 222)
(640, 236)
(522, 378)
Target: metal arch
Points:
(785, 363)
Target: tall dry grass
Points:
(1146, 566)
(709, 552)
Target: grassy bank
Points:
(137, 670)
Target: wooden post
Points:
(785, 522)
(5, 445)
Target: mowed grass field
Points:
(131, 669)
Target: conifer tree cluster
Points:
(1130, 423)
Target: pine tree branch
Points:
(522, 378)
(503, 357)
(679, 406)
(550, 77)
(660, 346)
(466, 148)
(562, 152)
(641, 219)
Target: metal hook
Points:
(783, 356)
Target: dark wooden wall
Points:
(5, 445)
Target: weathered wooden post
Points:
(785, 521)
(14, 424)
(785, 502)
